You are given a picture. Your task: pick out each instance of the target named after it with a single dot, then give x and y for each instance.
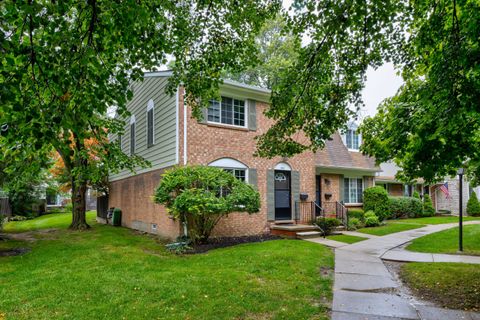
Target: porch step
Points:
(308, 234)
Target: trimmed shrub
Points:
(376, 200)
(371, 219)
(428, 210)
(416, 195)
(356, 213)
(327, 224)
(402, 207)
(473, 206)
(354, 224)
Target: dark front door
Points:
(283, 203)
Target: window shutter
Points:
(252, 177)
(270, 195)
(132, 138)
(341, 196)
(252, 115)
(295, 187)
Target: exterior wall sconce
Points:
(327, 181)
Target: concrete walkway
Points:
(365, 289)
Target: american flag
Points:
(444, 189)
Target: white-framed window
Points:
(132, 135)
(352, 139)
(353, 190)
(235, 167)
(227, 111)
(150, 123)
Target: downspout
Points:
(184, 131)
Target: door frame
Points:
(289, 195)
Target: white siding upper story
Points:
(164, 152)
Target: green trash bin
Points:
(117, 217)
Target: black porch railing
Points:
(307, 212)
(341, 213)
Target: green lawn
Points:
(435, 220)
(447, 241)
(114, 273)
(56, 220)
(452, 285)
(345, 238)
(390, 227)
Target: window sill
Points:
(354, 204)
(226, 126)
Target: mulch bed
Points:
(13, 252)
(216, 243)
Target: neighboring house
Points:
(441, 203)
(162, 131)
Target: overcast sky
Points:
(381, 83)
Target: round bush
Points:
(327, 224)
(376, 199)
(371, 219)
(402, 207)
(356, 213)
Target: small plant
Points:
(371, 219)
(473, 206)
(354, 224)
(356, 213)
(327, 224)
(376, 199)
(428, 210)
(17, 218)
(180, 246)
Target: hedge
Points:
(402, 207)
(376, 199)
(428, 210)
(356, 213)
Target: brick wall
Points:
(330, 183)
(134, 197)
(207, 143)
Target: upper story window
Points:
(150, 124)
(352, 139)
(353, 190)
(132, 135)
(227, 111)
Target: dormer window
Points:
(352, 139)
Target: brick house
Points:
(162, 131)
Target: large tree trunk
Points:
(79, 221)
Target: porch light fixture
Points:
(327, 181)
(460, 173)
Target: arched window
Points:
(235, 167)
(150, 123)
(283, 166)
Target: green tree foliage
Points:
(200, 196)
(473, 206)
(316, 93)
(428, 209)
(376, 199)
(431, 126)
(276, 53)
(64, 63)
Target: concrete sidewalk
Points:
(365, 289)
